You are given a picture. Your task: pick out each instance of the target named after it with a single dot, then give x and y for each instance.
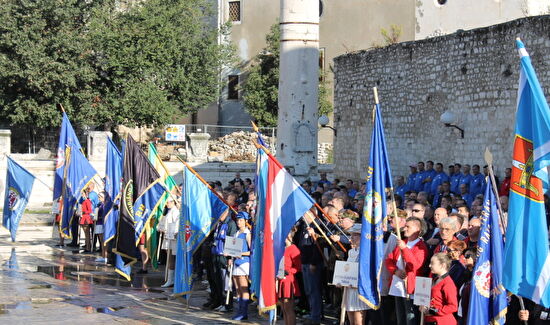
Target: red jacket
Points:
(414, 259)
(444, 299)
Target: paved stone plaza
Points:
(41, 284)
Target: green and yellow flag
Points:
(151, 230)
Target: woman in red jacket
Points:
(86, 221)
(444, 299)
(288, 284)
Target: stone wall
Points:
(473, 74)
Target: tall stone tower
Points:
(298, 87)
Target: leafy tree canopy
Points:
(143, 64)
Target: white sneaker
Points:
(223, 309)
(101, 260)
(208, 290)
(219, 308)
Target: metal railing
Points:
(217, 131)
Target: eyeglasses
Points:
(468, 255)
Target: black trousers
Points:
(220, 269)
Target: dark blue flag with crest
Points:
(487, 294)
(371, 252)
(19, 184)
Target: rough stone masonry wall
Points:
(474, 74)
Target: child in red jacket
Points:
(443, 301)
(288, 284)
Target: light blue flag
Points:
(527, 262)
(67, 137)
(19, 184)
(200, 210)
(371, 251)
(257, 230)
(79, 174)
(488, 302)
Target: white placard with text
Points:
(422, 291)
(233, 246)
(346, 274)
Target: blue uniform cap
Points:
(243, 215)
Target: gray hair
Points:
(448, 221)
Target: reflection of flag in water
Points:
(257, 230)
(67, 137)
(18, 189)
(285, 203)
(141, 193)
(371, 252)
(527, 262)
(78, 175)
(487, 295)
(200, 210)
(170, 184)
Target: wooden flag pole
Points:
(205, 183)
(489, 160)
(343, 307)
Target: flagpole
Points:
(206, 183)
(489, 160)
(167, 173)
(395, 214)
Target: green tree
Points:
(261, 89)
(142, 64)
(157, 59)
(45, 60)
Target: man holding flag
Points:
(527, 260)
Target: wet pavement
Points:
(42, 284)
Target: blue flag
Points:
(113, 177)
(18, 189)
(200, 210)
(371, 251)
(257, 230)
(67, 137)
(78, 175)
(526, 261)
(487, 295)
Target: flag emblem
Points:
(13, 198)
(129, 198)
(523, 181)
(373, 207)
(482, 279)
(60, 161)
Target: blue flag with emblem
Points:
(371, 251)
(79, 174)
(67, 137)
(527, 259)
(488, 302)
(200, 210)
(18, 190)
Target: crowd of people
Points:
(438, 226)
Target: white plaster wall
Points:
(433, 19)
